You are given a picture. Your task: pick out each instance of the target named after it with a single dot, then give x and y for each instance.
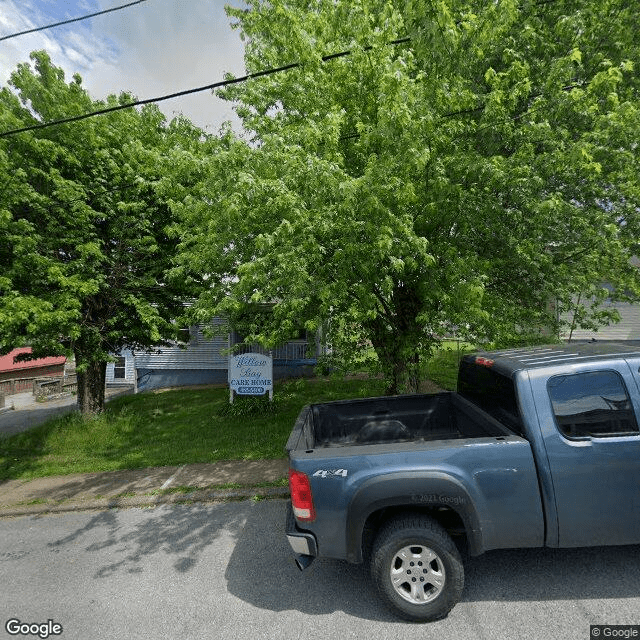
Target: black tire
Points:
(417, 568)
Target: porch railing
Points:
(288, 352)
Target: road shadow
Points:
(180, 531)
(329, 586)
(260, 569)
(516, 575)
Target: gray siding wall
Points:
(627, 329)
(163, 378)
(200, 353)
(205, 361)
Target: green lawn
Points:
(168, 428)
(443, 367)
(181, 427)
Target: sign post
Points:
(251, 374)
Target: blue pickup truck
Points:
(538, 447)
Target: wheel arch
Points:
(438, 495)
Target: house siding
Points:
(163, 378)
(205, 360)
(201, 353)
(627, 329)
(129, 369)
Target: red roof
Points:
(7, 363)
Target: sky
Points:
(150, 49)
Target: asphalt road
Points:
(225, 571)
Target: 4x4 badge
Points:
(330, 473)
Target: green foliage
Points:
(86, 237)
(477, 179)
(443, 366)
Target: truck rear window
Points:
(492, 392)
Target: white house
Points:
(627, 329)
(203, 360)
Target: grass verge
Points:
(443, 367)
(183, 426)
(172, 427)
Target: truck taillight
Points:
(301, 498)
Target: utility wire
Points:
(57, 24)
(215, 85)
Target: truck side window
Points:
(592, 404)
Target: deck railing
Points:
(40, 387)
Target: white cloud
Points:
(151, 49)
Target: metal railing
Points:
(288, 352)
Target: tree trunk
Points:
(397, 339)
(91, 383)
(404, 376)
(399, 358)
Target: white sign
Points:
(251, 374)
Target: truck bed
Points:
(424, 417)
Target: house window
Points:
(119, 369)
(188, 335)
(592, 404)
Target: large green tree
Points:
(467, 166)
(85, 240)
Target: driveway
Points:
(28, 413)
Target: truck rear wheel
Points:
(417, 568)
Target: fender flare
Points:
(413, 490)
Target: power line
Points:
(57, 24)
(135, 103)
(215, 85)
